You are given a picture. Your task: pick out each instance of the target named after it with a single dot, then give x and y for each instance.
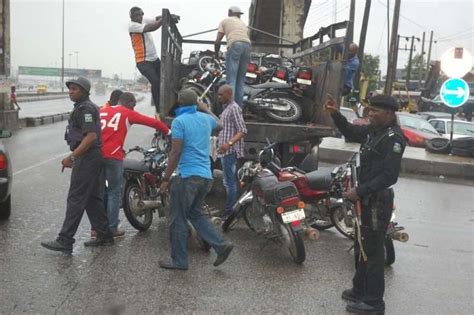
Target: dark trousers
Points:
(151, 71)
(86, 192)
(368, 280)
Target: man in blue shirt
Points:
(351, 69)
(190, 134)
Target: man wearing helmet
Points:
(380, 155)
(86, 191)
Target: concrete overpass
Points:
(283, 18)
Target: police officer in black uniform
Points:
(86, 191)
(381, 153)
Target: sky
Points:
(96, 34)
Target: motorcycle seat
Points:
(320, 179)
(135, 165)
(268, 85)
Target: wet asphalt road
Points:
(433, 273)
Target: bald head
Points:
(353, 49)
(224, 94)
(127, 99)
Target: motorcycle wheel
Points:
(294, 243)
(247, 214)
(206, 99)
(141, 220)
(204, 61)
(340, 216)
(389, 251)
(232, 220)
(292, 115)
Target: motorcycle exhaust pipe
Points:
(400, 236)
(149, 204)
(311, 234)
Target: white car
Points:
(461, 128)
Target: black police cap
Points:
(385, 102)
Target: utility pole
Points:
(77, 59)
(351, 18)
(421, 70)
(62, 58)
(392, 62)
(388, 29)
(407, 84)
(428, 59)
(363, 33)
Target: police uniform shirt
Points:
(84, 119)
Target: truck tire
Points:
(463, 143)
(438, 145)
(462, 152)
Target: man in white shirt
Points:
(146, 57)
(238, 51)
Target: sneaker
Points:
(57, 246)
(169, 264)
(118, 233)
(225, 253)
(93, 234)
(350, 295)
(100, 242)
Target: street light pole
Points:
(62, 58)
(70, 55)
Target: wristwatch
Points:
(230, 143)
(72, 158)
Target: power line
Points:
(417, 24)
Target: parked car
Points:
(433, 115)
(461, 128)
(5, 178)
(416, 129)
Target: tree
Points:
(417, 65)
(370, 70)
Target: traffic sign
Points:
(456, 62)
(454, 92)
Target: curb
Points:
(49, 119)
(414, 161)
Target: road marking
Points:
(41, 163)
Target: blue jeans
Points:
(187, 195)
(114, 176)
(229, 167)
(236, 61)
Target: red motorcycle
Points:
(314, 189)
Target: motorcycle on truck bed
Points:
(322, 72)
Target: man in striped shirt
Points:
(231, 144)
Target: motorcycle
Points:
(270, 208)
(142, 196)
(343, 214)
(281, 102)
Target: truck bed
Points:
(286, 133)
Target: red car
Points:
(416, 129)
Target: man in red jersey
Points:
(115, 122)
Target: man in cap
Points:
(190, 133)
(144, 48)
(380, 155)
(238, 51)
(86, 190)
